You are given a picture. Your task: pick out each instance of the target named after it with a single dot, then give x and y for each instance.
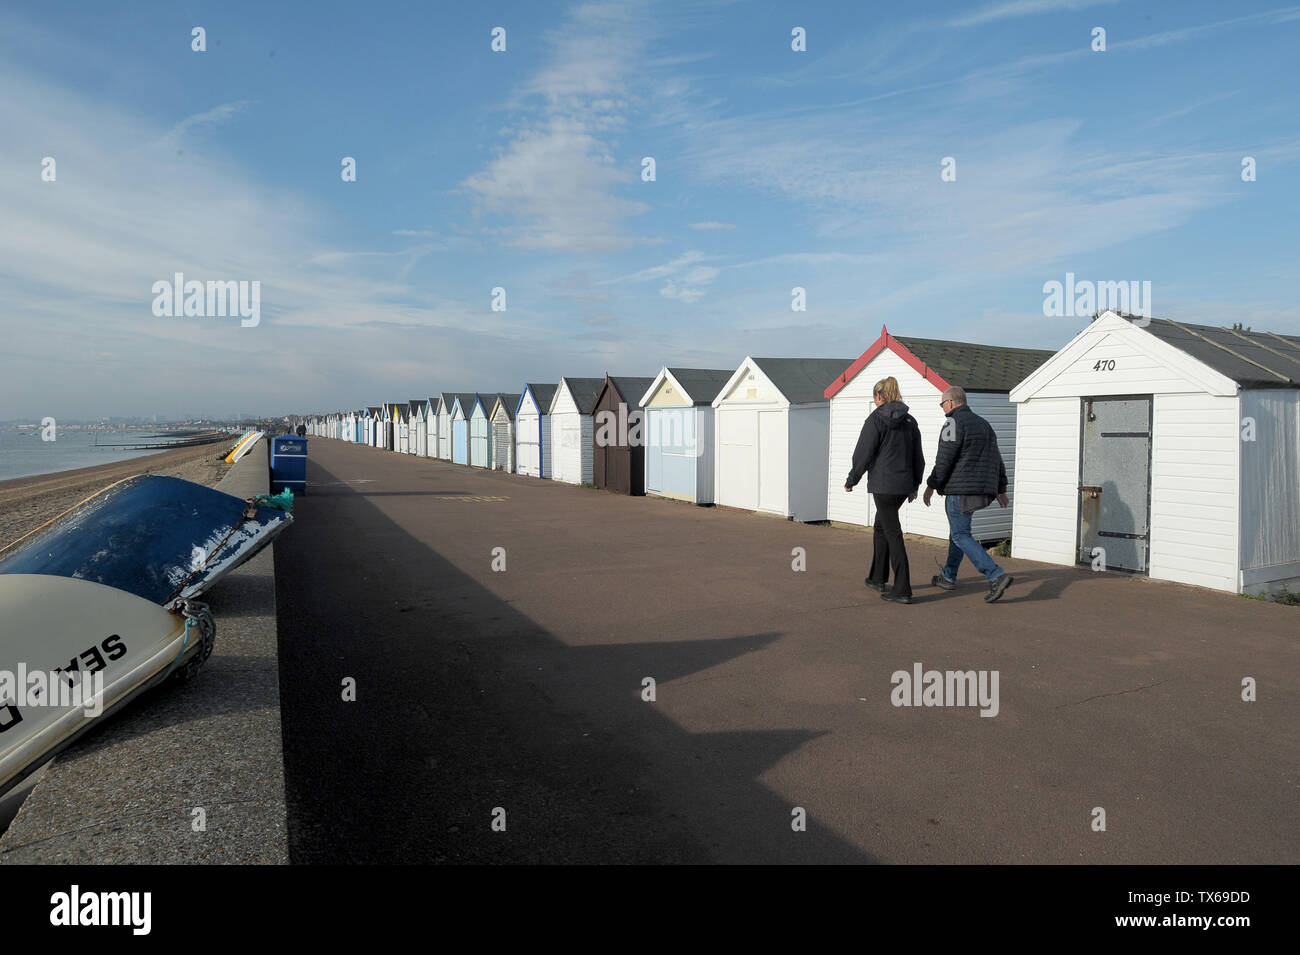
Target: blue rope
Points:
(189, 622)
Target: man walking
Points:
(969, 473)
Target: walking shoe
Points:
(873, 585)
(998, 588)
(895, 598)
(942, 582)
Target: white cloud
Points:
(555, 185)
(558, 184)
(212, 117)
(706, 226)
(673, 267)
(687, 295)
(79, 256)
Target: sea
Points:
(24, 454)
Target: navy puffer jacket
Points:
(968, 460)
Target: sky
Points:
(523, 170)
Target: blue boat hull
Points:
(160, 538)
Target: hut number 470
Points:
(1104, 365)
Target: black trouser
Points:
(889, 549)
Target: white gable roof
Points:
(1132, 335)
(747, 367)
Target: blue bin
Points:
(289, 464)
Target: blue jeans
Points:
(962, 544)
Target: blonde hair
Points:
(887, 388)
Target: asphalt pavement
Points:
(500, 715)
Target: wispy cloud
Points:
(557, 184)
(708, 226)
(216, 116)
(79, 256)
(1192, 107)
(685, 276)
(1014, 9)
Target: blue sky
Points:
(522, 170)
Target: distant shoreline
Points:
(112, 454)
(87, 472)
(28, 502)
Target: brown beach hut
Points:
(618, 447)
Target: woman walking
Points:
(889, 453)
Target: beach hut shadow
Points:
(472, 706)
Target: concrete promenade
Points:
(126, 792)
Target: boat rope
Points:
(249, 513)
(187, 609)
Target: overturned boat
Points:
(100, 604)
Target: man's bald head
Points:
(955, 395)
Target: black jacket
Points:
(889, 452)
(968, 460)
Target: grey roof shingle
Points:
(1251, 359)
(632, 389)
(509, 402)
(702, 384)
(542, 394)
(584, 391)
(802, 380)
(976, 367)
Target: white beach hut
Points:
(445, 401)
(416, 433)
(770, 449)
(430, 427)
(533, 430)
(501, 432)
(679, 432)
(572, 431)
(1165, 449)
(389, 442)
(401, 425)
(480, 438)
(925, 368)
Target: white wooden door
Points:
(568, 448)
(738, 458)
(526, 444)
(773, 477)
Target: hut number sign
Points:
(1105, 364)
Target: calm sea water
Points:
(23, 453)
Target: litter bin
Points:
(289, 464)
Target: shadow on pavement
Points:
(464, 704)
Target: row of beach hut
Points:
(1171, 449)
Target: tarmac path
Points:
(521, 690)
